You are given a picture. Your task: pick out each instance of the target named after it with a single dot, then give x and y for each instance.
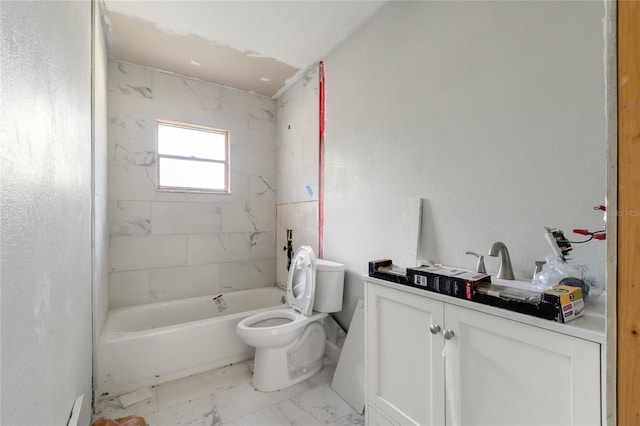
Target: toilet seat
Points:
(280, 327)
(301, 281)
(275, 328)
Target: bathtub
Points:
(150, 344)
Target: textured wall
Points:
(46, 211)
(100, 193)
(493, 112)
(297, 165)
(173, 245)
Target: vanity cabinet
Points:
(405, 369)
(430, 362)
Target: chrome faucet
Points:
(480, 265)
(498, 249)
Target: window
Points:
(192, 158)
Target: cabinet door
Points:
(505, 373)
(374, 418)
(405, 376)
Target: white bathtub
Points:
(150, 344)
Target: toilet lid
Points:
(301, 283)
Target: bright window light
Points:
(192, 158)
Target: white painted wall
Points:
(493, 112)
(46, 211)
(297, 168)
(100, 243)
(172, 245)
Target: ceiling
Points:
(255, 46)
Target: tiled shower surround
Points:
(297, 173)
(166, 245)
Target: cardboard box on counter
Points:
(386, 270)
(561, 303)
(450, 281)
(513, 299)
(567, 302)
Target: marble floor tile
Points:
(325, 376)
(199, 412)
(350, 419)
(269, 416)
(322, 403)
(225, 397)
(183, 390)
(244, 399)
(113, 409)
(296, 416)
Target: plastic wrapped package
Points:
(557, 271)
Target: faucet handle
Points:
(480, 266)
(538, 268)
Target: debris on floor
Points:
(122, 421)
(135, 397)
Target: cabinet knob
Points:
(434, 329)
(448, 334)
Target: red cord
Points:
(321, 166)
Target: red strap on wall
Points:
(321, 166)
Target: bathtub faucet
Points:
(289, 247)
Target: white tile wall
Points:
(184, 281)
(128, 288)
(298, 141)
(220, 247)
(130, 253)
(248, 217)
(166, 245)
(303, 219)
(185, 218)
(297, 168)
(250, 274)
(254, 160)
(129, 217)
(262, 189)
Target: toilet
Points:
(290, 342)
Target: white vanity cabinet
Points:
(404, 366)
(490, 370)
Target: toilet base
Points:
(275, 378)
(275, 368)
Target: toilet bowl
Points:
(290, 342)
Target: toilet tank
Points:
(329, 286)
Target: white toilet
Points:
(290, 342)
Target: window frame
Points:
(194, 190)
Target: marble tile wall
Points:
(171, 245)
(297, 167)
(298, 134)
